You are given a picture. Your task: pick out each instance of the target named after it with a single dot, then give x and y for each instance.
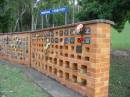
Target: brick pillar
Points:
(100, 61)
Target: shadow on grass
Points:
(13, 83)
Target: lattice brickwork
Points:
(15, 48)
(78, 60)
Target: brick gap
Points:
(74, 78)
(67, 64)
(67, 76)
(83, 69)
(74, 66)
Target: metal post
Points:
(32, 19)
(65, 18)
(42, 22)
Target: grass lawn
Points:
(120, 66)
(121, 40)
(13, 83)
(120, 77)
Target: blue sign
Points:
(53, 11)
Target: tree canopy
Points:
(22, 15)
(114, 10)
(5, 17)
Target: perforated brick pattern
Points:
(78, 60)
(15, 48)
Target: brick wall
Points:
(15, 48)
(78, 61)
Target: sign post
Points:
(55, 11)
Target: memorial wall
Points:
(15, 47)
(77, 55)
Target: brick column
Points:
(100, 60)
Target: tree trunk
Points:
(17, 21)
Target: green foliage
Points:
(21, 15)
(115, 10)
(5, 17)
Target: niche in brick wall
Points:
(50, 69)
(55, 61)
(61, 39)
(60, 62)
(67, 64)
(61, 47)
(46, 67)
(61, 33)
(79, 57)
(74, 66)
(55, 71)
(83, 69)
(72, 55)
(67, 76)
(83, 82)
(87, 49)
(56, 33)
(87, 58)
(61, 53)
(72, 48)
(50, 59)
(52, 52)
(60, 73)
(66, 54)
(66, 47)
(74, 78)
(56, 46)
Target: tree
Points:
(5, 17)
(114, 10)
(20, 10)
(21, 15)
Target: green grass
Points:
(13, 83)
(121, 40)
(120, 77)
(120, 66)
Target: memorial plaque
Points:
(56, 40)
(52, 40)
(51, 34)
(72, 32)
(66, 41)
(72, 40)
(87, 30)
(87, 40)
(78, 49)
(66, 33)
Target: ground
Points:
(14, 83)
(120, 63)
(120, 76)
